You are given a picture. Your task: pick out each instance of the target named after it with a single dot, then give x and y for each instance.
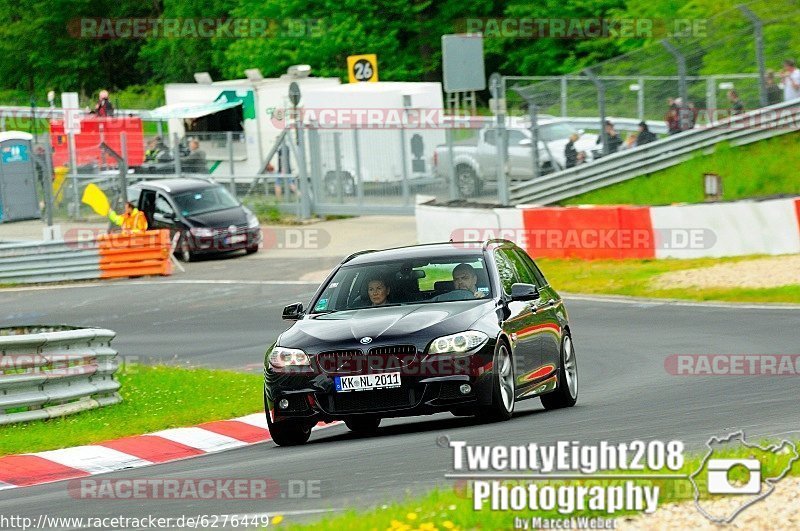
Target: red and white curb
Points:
(23, 470)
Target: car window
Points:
(162, 206)
(204, 200)
(515, 137)
(556, 131)
(418, 281)
(133, 195)
(532, 274)
(490, 137)
(506, 269)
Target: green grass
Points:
(452, 509)
(633, 278)
(154, 398)
(755, 170)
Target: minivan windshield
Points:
(204, 200)
(416, 281)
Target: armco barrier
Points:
(47, 372)
(595, 232)
(104, 256)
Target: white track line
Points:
(204, 440)
(93, 459)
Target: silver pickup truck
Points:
(476, 159)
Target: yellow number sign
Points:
(362, 68)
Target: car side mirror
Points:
(293, 312)
(524, 292)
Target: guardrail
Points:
(739, 130)
(98, 257)
(52, 371)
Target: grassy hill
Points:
(760, 169)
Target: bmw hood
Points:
(407, 324)
(219, 218)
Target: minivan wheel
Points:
(184, 251)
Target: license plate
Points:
(366, 382)
(239, 238)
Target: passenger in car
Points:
(464, 277)
(378, 291)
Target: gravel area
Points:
(780, 510)
(769, 272)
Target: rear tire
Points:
(566, 395)
(503, 386)
(363, 424)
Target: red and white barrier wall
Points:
(613, 232)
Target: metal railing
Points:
(51, 371)
(47, 261)
(741, 129)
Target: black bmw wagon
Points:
(468, 328)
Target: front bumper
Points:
(429, 386)
(224, 241)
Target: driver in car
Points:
(464, 277)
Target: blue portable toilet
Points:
(18, 197)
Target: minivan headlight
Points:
(282, 357)
(457, 343)
(252, 221)
(202, 232)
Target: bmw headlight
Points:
(282, 357)
(202, 232)
(457, 343)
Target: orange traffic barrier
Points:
(135, 255)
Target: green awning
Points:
(179, 110)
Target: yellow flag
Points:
(95, 198)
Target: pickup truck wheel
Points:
(467, 181)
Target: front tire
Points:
(288, 432)
(184, 251)
(566, 395)
(503, 387)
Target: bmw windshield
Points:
(399, 282)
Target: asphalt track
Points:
(625, 391)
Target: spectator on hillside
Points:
(612, 137)
(645, 136)
(672, 118)
(737, 107)
(570, 153)
(630, 141)
(791, 80)
(773, 90)
(103, 107)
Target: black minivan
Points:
(205, 214)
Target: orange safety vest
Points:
(135, 222)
